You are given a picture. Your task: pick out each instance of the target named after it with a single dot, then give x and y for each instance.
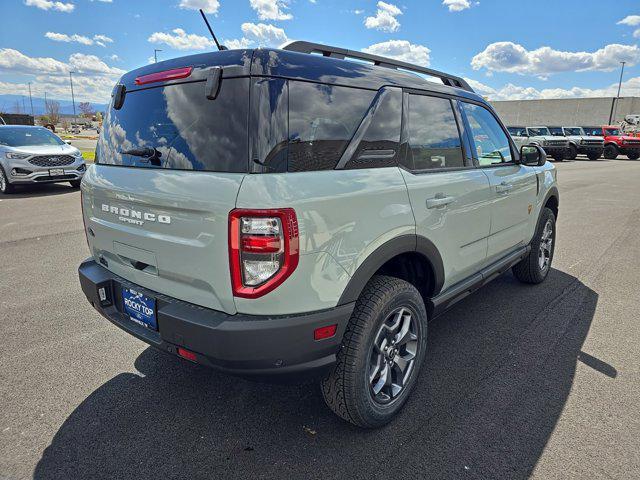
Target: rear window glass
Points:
(322, 120)
(177, 127)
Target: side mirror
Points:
(532, 155)
(68, 142)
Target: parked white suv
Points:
(556, 147)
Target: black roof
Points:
(299, 66)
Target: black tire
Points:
(558, 157)
(633, 156)
(5, 186)
(75, 183)
(348, 389)
(593, 156)
(572, 153)
(610, 152)
(529, 269)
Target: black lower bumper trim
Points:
(241, 344)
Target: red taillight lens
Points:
(186, 354)
(164, 76)
(263, 249)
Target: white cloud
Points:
(385, 19)
(514, 58)
(181, 40)
(457, 5)
(101, 40)
(237, 44)
(93, 79)
(401, 50)
(631, 20)
(270, 9)
(114, 57)
(517, 92)
(50, 5)
(209, 6)
(263, 34)
(358, 12)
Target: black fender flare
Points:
(552, 192)
(403, 244)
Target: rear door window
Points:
(322, 121)
(434, 139)
(177, 127)
(491, 142)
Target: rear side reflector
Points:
(164, 76)
(324, 332)
(187, 355)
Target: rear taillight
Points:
(263, 249)
(164, 76)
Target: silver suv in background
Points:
(31, 155)
(556, 147)
(580, 142)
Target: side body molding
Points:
(384, 253)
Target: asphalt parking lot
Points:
(519, 381)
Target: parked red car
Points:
(616, 142)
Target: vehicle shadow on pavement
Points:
(498, 373)
(44, 190)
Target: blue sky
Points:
(508, 49)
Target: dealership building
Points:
(567, 112)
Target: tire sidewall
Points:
(8, 187)
(379, 414)
(546, 215)
(610, 152)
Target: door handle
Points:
(439, 201)
(504, 187)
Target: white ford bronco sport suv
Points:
(281, 213)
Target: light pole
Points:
(73, 100)
(615, 104)
(31, 100)
(155, 54)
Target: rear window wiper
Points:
(151, 155)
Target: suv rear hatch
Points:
(169, 164)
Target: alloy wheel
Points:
(3, 182)
(393, 355)
(546, 246)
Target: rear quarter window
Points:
(322, 120)
(185, 129)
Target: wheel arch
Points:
(552, 201)
(411, 257)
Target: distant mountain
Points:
(8, 105)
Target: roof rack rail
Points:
(337, 52)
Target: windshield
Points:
(177, 127)
(573, 131)
(538, 131)
(517, 131)
(592, 131)
(27, 137)
(556, 131)
(612, 131)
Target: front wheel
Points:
(633, 155)
(573, 152)
(382, 351)
(75, 183)
(610, 152)
(535, 267)
(5, 186)
(593, 156)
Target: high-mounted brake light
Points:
(164, 76)
(263, 249)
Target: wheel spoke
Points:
(376, 369)
(403, 336)
(382, 381)
(397, 321)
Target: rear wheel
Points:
(610, 152)
(535, 267)
(633, 155)
(5, 186)
(75, 183)
(382, 351)
(593, 156)
(573, 152)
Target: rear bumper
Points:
(247, 345)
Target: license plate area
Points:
(140, 308)
(56, 172)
